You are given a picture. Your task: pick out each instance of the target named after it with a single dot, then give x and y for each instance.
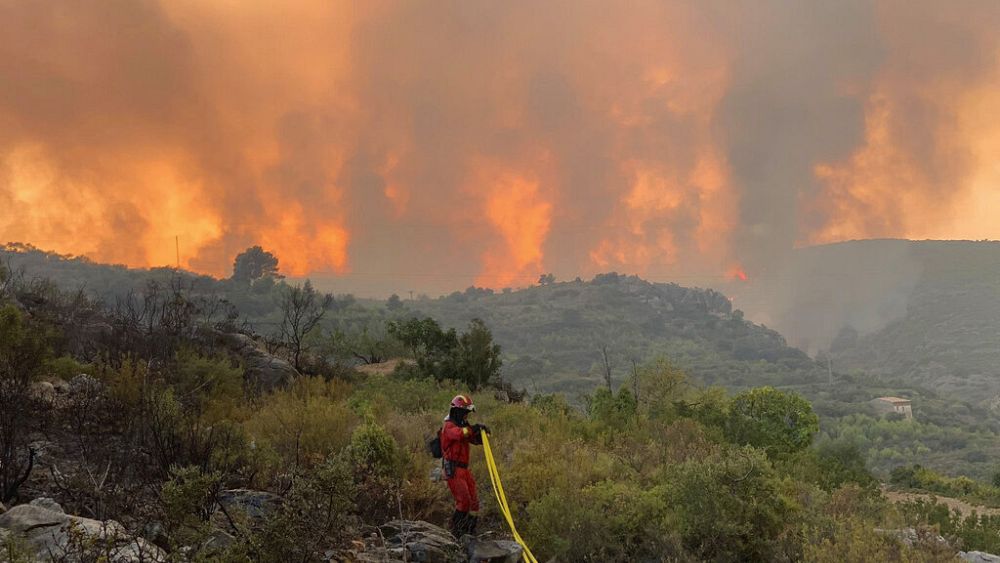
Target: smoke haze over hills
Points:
(432, 146)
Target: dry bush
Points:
(305, 423)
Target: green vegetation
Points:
(944, 335)
(916, 477)
(471, 358)
(652, 468)
(771, 420)
(619, 455)
(254, 264)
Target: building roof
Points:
(894, 400)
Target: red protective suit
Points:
(455, 441)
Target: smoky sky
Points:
(433, 145)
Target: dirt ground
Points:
(962, 506)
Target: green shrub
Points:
(66, 367)
(315, 516)
(188, 500)
(210, 388)
(772, 420)
(378, 470)
(830, 465)
(922, 478)
(304, 424)
(729, 507)
(606, 521)
(855, 540)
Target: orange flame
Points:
(736, 272)
(498, 136)
(927, 164)
(517, 210)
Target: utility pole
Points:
(177, 249)
(411, 295)
(829, 369)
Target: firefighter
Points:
(456, 436)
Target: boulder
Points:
(2, 508)
(978, 557)
(43, 390)
(217, 542)
(494, 551)
(47, 504)
(265, 373)
(54, 535)
(914, 537)
(237, 342)
(413, 541)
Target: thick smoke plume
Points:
(429, 145)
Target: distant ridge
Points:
(926, 312)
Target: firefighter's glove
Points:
(482, 428)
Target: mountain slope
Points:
(949, 335)
(555, 335)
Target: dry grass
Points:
(384, 368)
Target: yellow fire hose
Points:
(502, 498)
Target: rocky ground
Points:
(41, 530)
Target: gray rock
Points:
(913, 537)
(420, 542)
(494, 551)
(52, 534)
(48, 504)
(238, 342)
(2, 508)
(265, 373)
(978, 557)
(217, 541)
(43, 390)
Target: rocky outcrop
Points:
(43, 391)
(420, 542)
(409, 540)
(266, 373)
(263, 372)
(494, 551)
(978, 557)
(916, 537)
(54, 535)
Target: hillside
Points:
(554, 336)
(143, 441)
(950, 333)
